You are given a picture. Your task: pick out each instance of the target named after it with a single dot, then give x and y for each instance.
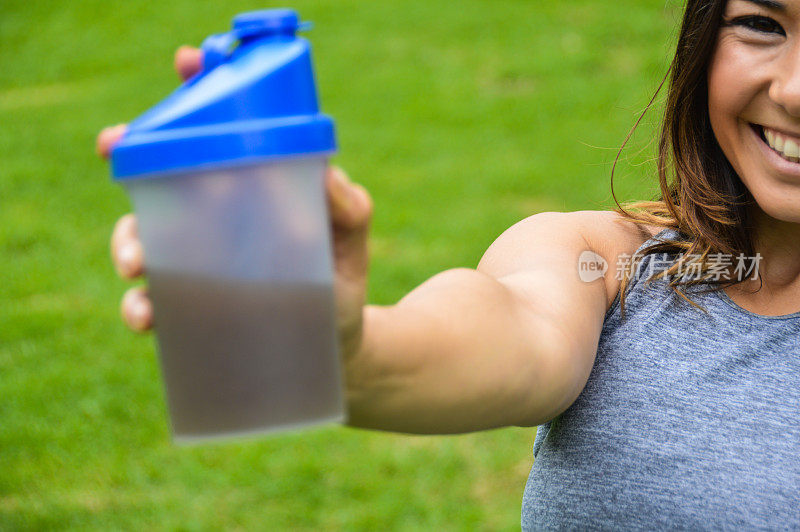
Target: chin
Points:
(781, 205)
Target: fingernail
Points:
(125, 256)
(107, 136)
(111, 129)
(341, 189)
(340, 176)
(138, 313)
(342, 197)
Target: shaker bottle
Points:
(226, 179)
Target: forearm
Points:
(454, 355)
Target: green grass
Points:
(460, 118)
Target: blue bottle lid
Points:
(254, 99)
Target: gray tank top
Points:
(689, 420)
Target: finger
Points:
(137, 309)
(350, 204)
(351, 210)
(188, 61)
(108, 137)
(127, 253)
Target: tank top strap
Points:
(664, 235)
(645, 265)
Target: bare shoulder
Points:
(540, 261)
(557, 239)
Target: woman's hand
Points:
(350, 209)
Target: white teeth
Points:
(788, 148)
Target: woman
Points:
(670, 395)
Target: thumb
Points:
(351, 212)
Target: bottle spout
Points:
(246, 27)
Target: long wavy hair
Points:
(701, 196)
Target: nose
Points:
(785, 87)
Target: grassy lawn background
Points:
(460, 118)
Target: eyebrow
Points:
(769, 4)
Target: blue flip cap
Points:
(254, 99)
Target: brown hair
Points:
(701, 195)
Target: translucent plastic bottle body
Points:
(240, 274)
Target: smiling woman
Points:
(689, 419)
(668, 397)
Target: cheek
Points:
(727, 95)
(732, 87)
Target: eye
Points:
(758, 23)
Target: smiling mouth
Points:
(788, 148)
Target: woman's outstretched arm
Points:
(510, 343)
